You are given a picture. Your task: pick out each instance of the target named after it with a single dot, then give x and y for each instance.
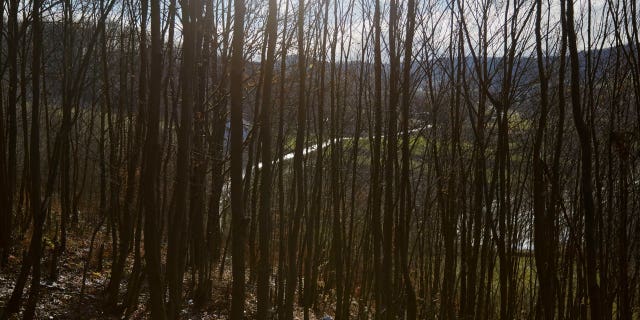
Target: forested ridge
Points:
(292, 159)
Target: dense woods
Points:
(291, 159)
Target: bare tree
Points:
(238, 220)
(150, 170)
(264, 271)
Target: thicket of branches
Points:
(472, 159)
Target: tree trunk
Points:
(151, 169)
(264, 215)
(238, 220)
(586, 184)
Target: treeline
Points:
(411, 159)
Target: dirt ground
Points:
(65, 298)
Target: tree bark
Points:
(238, 220)
(151, 169)
(264, 215)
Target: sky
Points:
(434, 22)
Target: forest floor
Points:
(66, 299)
